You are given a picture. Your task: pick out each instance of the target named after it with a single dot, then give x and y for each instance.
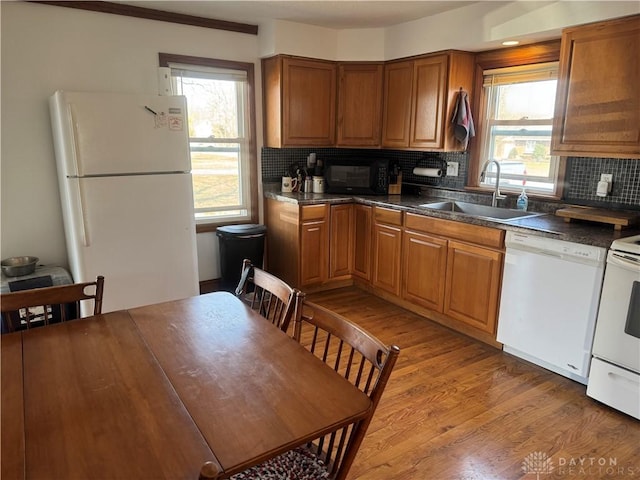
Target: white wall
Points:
(281, 36)
(360, 45)
(45, 48)
(480, 26)
(484, 25)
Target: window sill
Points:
(515, 193)
(211, 226)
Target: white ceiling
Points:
(338, 14)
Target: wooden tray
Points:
(619, 220)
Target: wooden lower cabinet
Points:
(424, 261)
(448, 271)
(341, 241)
(309, 246)
(473, 285)
(313, 251)
(453, 271)
(282, 249)
(386, 261)
(362, 217)
(387, 248)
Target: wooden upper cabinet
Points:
(398, 84)
(420, 96)
(299, 101)
(430, 96)
(359, 104)
(597, 110)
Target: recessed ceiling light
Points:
(509, 43)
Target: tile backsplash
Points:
(582, 174)
(276, 162)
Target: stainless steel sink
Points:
(485, 211)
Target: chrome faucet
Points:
(496, 192)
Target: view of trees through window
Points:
(217, 141)
(518, 134)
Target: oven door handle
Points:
(625, 261)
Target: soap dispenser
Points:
(523, 201)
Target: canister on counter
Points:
(308, 185)
(318, 184)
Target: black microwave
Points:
(357, 175)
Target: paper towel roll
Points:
(427, 172)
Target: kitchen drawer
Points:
(486, 236)
(614, 386)
(387, 215)
(313, 212)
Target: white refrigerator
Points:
(127, 198)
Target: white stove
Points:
(627, 245)
(614, 377)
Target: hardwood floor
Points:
(456, 408)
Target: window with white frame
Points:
(519, 106)
(219, 139)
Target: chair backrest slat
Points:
(358, 356)
(49, 299)
(270, 296)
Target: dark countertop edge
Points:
(545, 225)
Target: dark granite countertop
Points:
(545, 224)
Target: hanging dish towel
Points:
(463, 128)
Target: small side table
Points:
(39, 278)
(59, 276)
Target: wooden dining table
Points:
(162, 390)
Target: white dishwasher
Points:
(549, 302)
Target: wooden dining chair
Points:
(41, 306)
(269, 295)
(360, 358)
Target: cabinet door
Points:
(313, 252)
(398, 78)
(386, 257)
(424, 269)
(308, 102)
(598, 100)
(282, 257)
(473, 285)
(359, 104)
(341, 241)
(429, 102)
(362, 241)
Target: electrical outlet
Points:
(452, 169)
(606, 177)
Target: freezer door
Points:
(138, 232)
(112, 133)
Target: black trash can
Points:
(238, 242)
